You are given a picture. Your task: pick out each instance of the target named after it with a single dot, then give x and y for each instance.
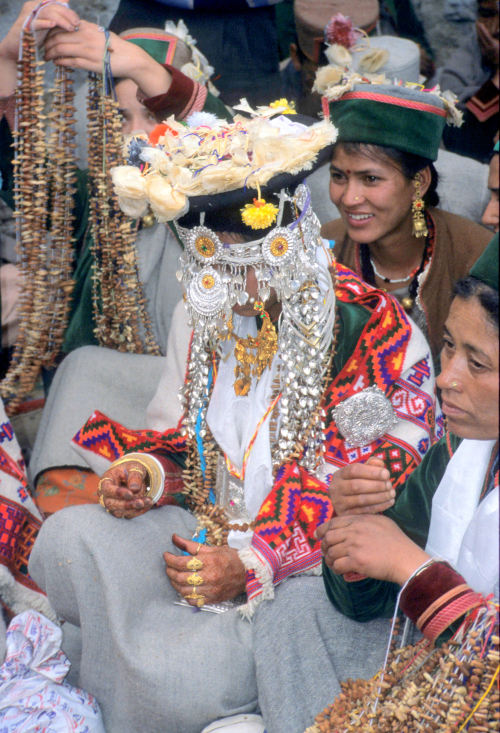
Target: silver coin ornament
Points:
(206, 293)
(365, 416)
(279, 248)
(203, 245)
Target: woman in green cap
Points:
(438, 541)
(384, 184)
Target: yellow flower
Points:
(259, 215)
(288, 107)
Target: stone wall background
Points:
(443, 35)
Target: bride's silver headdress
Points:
(214, 276)
(196, 168)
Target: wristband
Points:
(154, 475)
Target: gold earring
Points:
(418, 208)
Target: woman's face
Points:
(135, 116)
(373, 196)
(469, 376)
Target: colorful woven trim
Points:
(378, 360)
(284, 528)
(18, 532)
(159, 39)
(397, 101)
(109, 439)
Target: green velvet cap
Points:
(163, 47)
(401, 117)
(486, 266)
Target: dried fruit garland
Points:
(43, 194)
(426, 688)
(44, 185)
(120, 312)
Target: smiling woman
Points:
(383, 182)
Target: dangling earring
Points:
(418, 208)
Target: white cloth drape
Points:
(463, 531)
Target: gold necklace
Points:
(253, 353)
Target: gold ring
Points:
(137, 470)
(453, 385)
(194, 564)
(195, 579)
(197, 549)
(101, 501)
(198, 598)
(99, 485)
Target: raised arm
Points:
(85, 47)
(49, 17)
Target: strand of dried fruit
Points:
(42, 194)
(119, 304)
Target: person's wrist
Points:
(410, 566)
(151, 78)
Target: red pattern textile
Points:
(111, 440)
(378, 360)
(20, 522)
(18, 531)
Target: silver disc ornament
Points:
(365, 416)
(280, 247)
(206, 293)
(203, 245)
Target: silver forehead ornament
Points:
(365, 416)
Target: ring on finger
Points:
(194, 579)
(198, 598)
(137, 470)
(194, 564)
(99, 485)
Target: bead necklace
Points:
(452, 687)
(368, 270)
(44, 178)
(393, 280)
